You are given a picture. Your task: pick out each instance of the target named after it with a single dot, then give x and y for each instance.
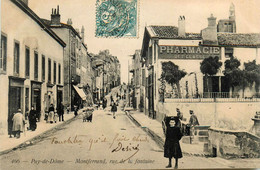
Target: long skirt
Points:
(172, 149)
(51, 117)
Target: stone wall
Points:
(230, 144)
(226, 115)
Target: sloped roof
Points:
(235, 39)
(172, 32)
(62, 25)
(37, 19)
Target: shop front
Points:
(16, 97)
(36, 97)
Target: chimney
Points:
(209, 34)
(82, 33)
(181, 26)
(69, 22)
(25, 2)
(55, 16)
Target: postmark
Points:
(116, 18)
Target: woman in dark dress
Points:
(172, 147)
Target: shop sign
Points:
(187, 52)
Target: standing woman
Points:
(172, 147)
(51, 114)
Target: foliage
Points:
(172, 74)
(210, 66)
(232, 72)
(253, 73)
(243, 78)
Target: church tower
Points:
(228, 25)
(232, 15)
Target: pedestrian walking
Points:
(172, 147)
(51, 114)
(18, 123)
(32, 119)
(114, 109)
(192, 123)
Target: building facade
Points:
(187, 50)
(31, 63)
(77, 69)
(107, 73)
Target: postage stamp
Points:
(116, 18)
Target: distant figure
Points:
(193, 119)
(172, 147)
(111, 99)
(33, 119)
(193, 122)
(51, 114)
(104, 103)
(75, 111)
(18, 123)
(114, 109)
(61, 112)
(179, 114)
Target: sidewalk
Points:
(7, 144)
(154, 129)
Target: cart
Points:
(87, 114)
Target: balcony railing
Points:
(212, 97)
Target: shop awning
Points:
(80, 92)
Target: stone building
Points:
(187, 50)
(31, 63)
(136, 70)
(107, 73)
(77, 69)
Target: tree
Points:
(209, 67)
(253, 73)
(172, 75)
(242, 78)
(232, 72)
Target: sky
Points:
(150, 12)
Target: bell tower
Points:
(232, 15)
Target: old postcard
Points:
(129, 84)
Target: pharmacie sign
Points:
(187, 52)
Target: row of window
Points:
(3, 62)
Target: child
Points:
(114, 109)
(172, 146)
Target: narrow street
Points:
(106, 143)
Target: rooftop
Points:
(236, 39)
(169, 32)
(224, 39)
(37, 19)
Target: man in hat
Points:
(193, 122)
(193, 119)
(18, 123)
(179, 114)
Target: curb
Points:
(29, 141)
(158, 140)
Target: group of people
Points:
(17, 122)
(52, 116)
(174, 131)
